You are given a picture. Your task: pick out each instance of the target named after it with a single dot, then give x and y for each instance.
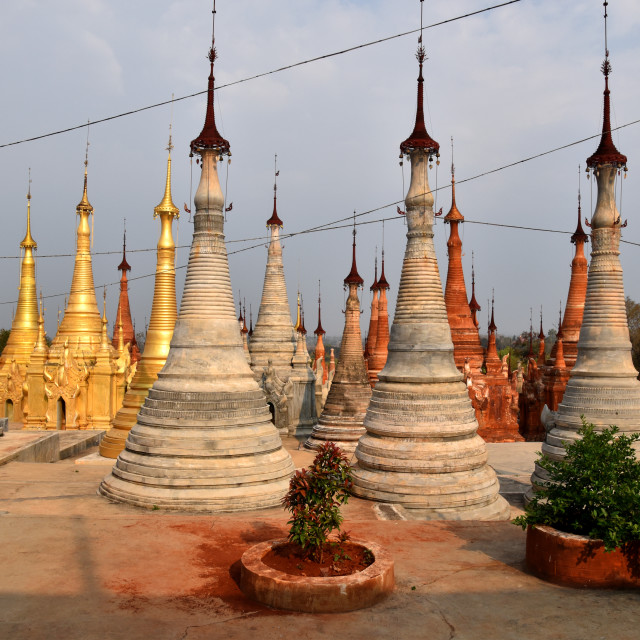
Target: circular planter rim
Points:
(252, 558)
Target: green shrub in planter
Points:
(593, 491)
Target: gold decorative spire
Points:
(24, 326)
(164, 312)
(28, 241)
(81, 321)
(167, 205)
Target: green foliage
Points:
(594, 491)
(633, 319)
(315, 496)
(4, 336)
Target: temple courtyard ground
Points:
(75, 566)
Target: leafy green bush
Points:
(594, 491)
(314, 499)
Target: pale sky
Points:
(507, 84)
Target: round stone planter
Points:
(315, 595)
(579, 561)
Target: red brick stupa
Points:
(464, 327)
(378, 357)
(123, 314)
(497, 413)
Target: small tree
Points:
(314, 499)
(594, 491)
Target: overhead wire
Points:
(256, 76)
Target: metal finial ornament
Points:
(453, 169)
(86, 152)
(212, 55)
(276, 173)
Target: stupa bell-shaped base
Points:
(342, 417)
(201, 452)
(442, 477)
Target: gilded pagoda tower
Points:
(289, 386)
(204, 440)
(123, 314)
(603, 385)
(464, 332)
(84, 379)
(163, 319)
(24, 330)
(421, 448)
(343, 414)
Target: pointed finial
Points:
(240, 318)
(275, 219)
(560, 321)
(473, 303)
(84, 204)
(319, 330)
(419, 138)
(579, 235)
(104, 305)
(606, 153)
(167, 205)
(210, 137)
(492, 325)
(541, 334)
(374, 286)
(354, 276)
(28, 241)
(250, 320)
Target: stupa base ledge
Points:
(195, 500)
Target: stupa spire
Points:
(373, 325)
(349, 394)
(24, 325)
(354, 276)
(81, 323)
(606, 153)
(164, 312)
(275, 219)
(462, 320)
(123, 312)
(473, 303)
(603, 385)
(378, 357)
(204, 440)
(421, 449)
(275, 347)
(319, 330)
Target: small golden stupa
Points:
(163, 318)
(24, 330)
(81, 382)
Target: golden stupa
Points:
(24, 330)
(83, 377)
(164, 312)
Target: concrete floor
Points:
(75, 566)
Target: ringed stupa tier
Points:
(204, 440)
(421, 448)
(24, 330)
(290, 389)
(464, 332)
(161, 324)
(123, 313)
(603, 385)
(341, 421)
(82, 378)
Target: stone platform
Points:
(455, 580)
